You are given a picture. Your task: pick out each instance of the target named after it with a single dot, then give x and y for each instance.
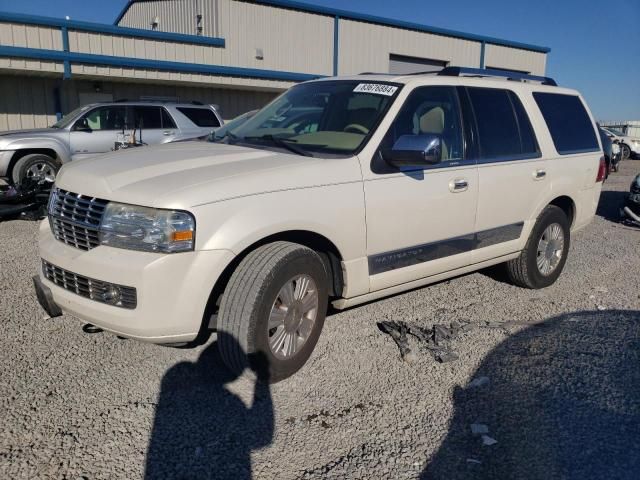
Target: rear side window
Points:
(568, 122)
(167, 121)
(504, 130)
(202, 117)
(147, 117)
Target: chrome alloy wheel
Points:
(41, 171)
(293, 316)
(550, 249)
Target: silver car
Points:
(98, 128)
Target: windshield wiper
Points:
(283, 143)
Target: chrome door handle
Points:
(458, 185)
(539, 174)
(166, 133)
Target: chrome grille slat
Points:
(88, 287)
(75, 218)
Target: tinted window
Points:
(527, 136)
(104, 118)
(568, 122)
(430, 111)
(202, 117)
(147, 117)
(167, 121)
(497, 125)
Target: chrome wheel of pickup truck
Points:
(272, 311)
(37, 167)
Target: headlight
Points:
(147, 229)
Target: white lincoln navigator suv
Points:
(341, 190)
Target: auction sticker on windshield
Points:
(377, 88)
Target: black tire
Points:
(243, 335)
(524, 271)
(625, 151)
(24, 167)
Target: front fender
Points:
(58, 146)
(335, 211)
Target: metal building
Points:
(627, 127)
(234, 53)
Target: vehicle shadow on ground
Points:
(610, 204)
(202, 430)
(563, 401)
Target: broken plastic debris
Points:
(601, 307)
(479, 428)
(446, 356)
(488, 441)
(398, 331)
(479, 382)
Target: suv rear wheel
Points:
(37, 167)
(543, 258)
(626, 151)
(273, 310)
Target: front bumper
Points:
(172, 290)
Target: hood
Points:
(186, 174)
(34, 132)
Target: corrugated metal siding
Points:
(232, 102)
(30, 104)
(290, 40)
(365, 47)
(30, 36)
(514, 59)
(177, 16)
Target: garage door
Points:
(400, 64)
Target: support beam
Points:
(336, 44)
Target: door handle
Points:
(539, 174)
(458, 185)
(166, 133)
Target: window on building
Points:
(504, 130)
(202, 117)
(402, 65)
(569, 124)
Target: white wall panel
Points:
(515, 59)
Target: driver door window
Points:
(432, 111)
(106, 118)
(96, 132)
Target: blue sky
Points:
(595, 45)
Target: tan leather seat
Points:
(433, 122)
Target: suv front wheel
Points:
(37, 167)
(543, 258)
(273, 310)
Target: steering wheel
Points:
(356, 128)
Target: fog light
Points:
(111, 294)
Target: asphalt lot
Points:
(562, 399)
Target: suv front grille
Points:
(103, 292)
(75, 218)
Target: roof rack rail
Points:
(492, 72)
(374, 73)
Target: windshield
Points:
(615, 132)
(326, 117)
(69, 117)
(230, 126)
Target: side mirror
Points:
(415, 151)
(82, 125)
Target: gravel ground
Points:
(562, 401)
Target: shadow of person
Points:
(563, 402)
(201, 430)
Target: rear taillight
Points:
(602, 170)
